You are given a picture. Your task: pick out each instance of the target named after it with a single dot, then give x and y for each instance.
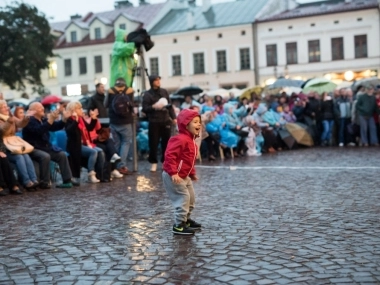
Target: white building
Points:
(336, 39)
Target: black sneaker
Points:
(182, 229)
(191, 224)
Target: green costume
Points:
(122, 62)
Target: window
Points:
(245, 62)
(241, 86)
(82, 65)
(74, 37)
(361, 46)
(98, 64)
(174, 41)
(220, 36)
(243, 33)
(221, 60)
(199, 64)
(52, 69)
(314, 51)
(291, 53)
(122, 26)
(337, 48)
(197, 38)
(154, 65)
(98, 33)
(271, 55)
(67, 63)
(176, 63)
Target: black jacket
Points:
(97, 102)
(313, 106)
(327, 110)
(37, 133)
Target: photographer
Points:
(161, 118)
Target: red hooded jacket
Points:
(181, 151)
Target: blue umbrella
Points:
(285, 82)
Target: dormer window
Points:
(98, 33)
(74, 38)
(122, 26)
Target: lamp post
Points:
(275, 72)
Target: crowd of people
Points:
(252, 126)
(248, 126)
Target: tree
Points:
(25, 45)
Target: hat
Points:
(120, 82)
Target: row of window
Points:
(83, 65)
(98, 33)
(337, 50)
(199, 62)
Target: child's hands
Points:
(176, 179)
(194, 178)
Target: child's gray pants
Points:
(181, 195)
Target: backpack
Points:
(122, 104)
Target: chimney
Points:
(206, 5)
(190, 20)
(75, 17)
(122, 4)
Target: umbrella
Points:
(189, 90)
(374, 81)
(285, 82)
(319, 85)
(246, 93)
(290, 90)
(299, 133)
(221, 92)
(51, 99)
(287, 138)
(236, 91)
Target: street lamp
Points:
(275, 71)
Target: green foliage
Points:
(25, 45)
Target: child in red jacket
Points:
(179, 171)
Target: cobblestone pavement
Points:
(310, 216)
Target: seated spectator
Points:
(23, 162)
(8, 183)
(79, 144)
(37, 133)
(235, 125)
(19, 113)
(270, 141)
(189, 101)
(101, 138)
(288, 115)
(218, 104)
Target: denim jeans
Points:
(24, 166)
(327, 130)
(122, 135)
(368, 123)
(95, 158)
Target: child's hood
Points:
(184, 118)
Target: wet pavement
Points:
(310, 216)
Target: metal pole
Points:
(140, 72)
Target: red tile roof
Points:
(321, 9)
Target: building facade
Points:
(336, 39)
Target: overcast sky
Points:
(60, 10)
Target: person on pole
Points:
(161, 117)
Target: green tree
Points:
(25, 45)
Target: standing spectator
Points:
(327, 117)
(312, 116)
(343, 108)
(37, 133)
(161, 118)
(97, 101)
(366, 108)
(119, 102)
